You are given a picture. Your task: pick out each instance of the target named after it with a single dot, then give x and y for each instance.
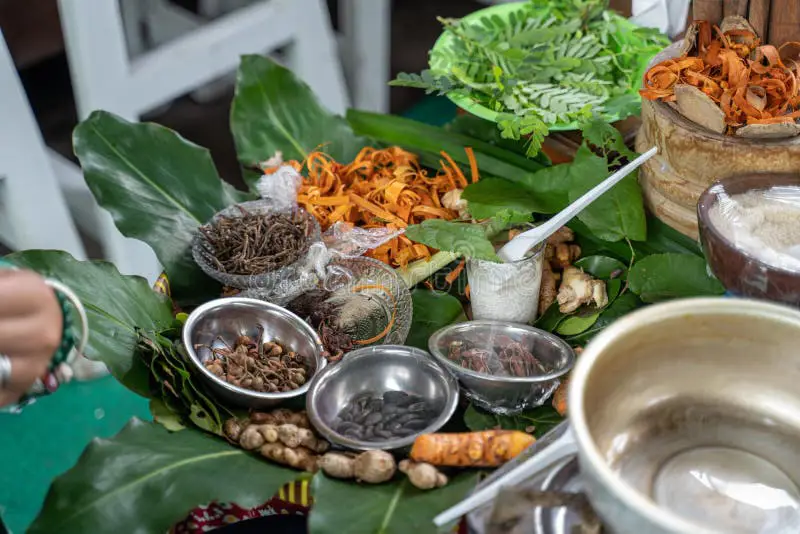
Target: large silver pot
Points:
(684, 412)
(685, 417)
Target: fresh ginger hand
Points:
(30, 329)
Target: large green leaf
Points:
(667, 276)
(601, 266)
(145, 479)
(116, 306)
(617, 214)
(432, 310)
(466, 239)
(537, 421)
(393, 508)
(274, 111)
(421, 138)
(622, 305)
(158, 187)
(491, 195)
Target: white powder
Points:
(505, 291)
(764, 224)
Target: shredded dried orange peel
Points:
(752, 84)
(381, 188)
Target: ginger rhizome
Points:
(372, 467)
(565, 283)
(293, 444)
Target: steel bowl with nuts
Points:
(222, 323)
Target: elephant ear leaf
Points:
(158, 187)
(116, 306)
(146, 479)
(274, 111)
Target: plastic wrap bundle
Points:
(281, 285)
(764, 224)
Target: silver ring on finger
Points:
(5, 371)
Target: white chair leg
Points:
(313, 55)
(34, 209)
(131, 256)
(366, 28)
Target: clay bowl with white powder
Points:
(750, 232)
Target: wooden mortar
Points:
(691, 158)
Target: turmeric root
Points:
(372, 467)
(489, 448)
(299, 458)
(293, 436)
(560, 397)
(421, 475)
(578, 288)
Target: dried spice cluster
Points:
(256, 243)
(264, 367)
(508, 357)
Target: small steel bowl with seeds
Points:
(381, 397)
(503, 367)
(251, 353)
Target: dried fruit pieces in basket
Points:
(729, 83)
(382, 188)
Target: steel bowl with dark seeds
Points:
(381, 397)
(394, 414)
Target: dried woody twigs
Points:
(256, 243)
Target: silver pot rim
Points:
(588, 450)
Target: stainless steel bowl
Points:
(228, 318)
(498, 393)
(376, 370)
(687, 419)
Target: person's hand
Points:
(31, 325)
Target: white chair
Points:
(364, 40)
(105, 75)
(33, 212)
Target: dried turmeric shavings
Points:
(381, 188)
(752, 84)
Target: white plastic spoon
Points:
(516, 249)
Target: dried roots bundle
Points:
(256, 243)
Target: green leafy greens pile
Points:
(547, 63)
